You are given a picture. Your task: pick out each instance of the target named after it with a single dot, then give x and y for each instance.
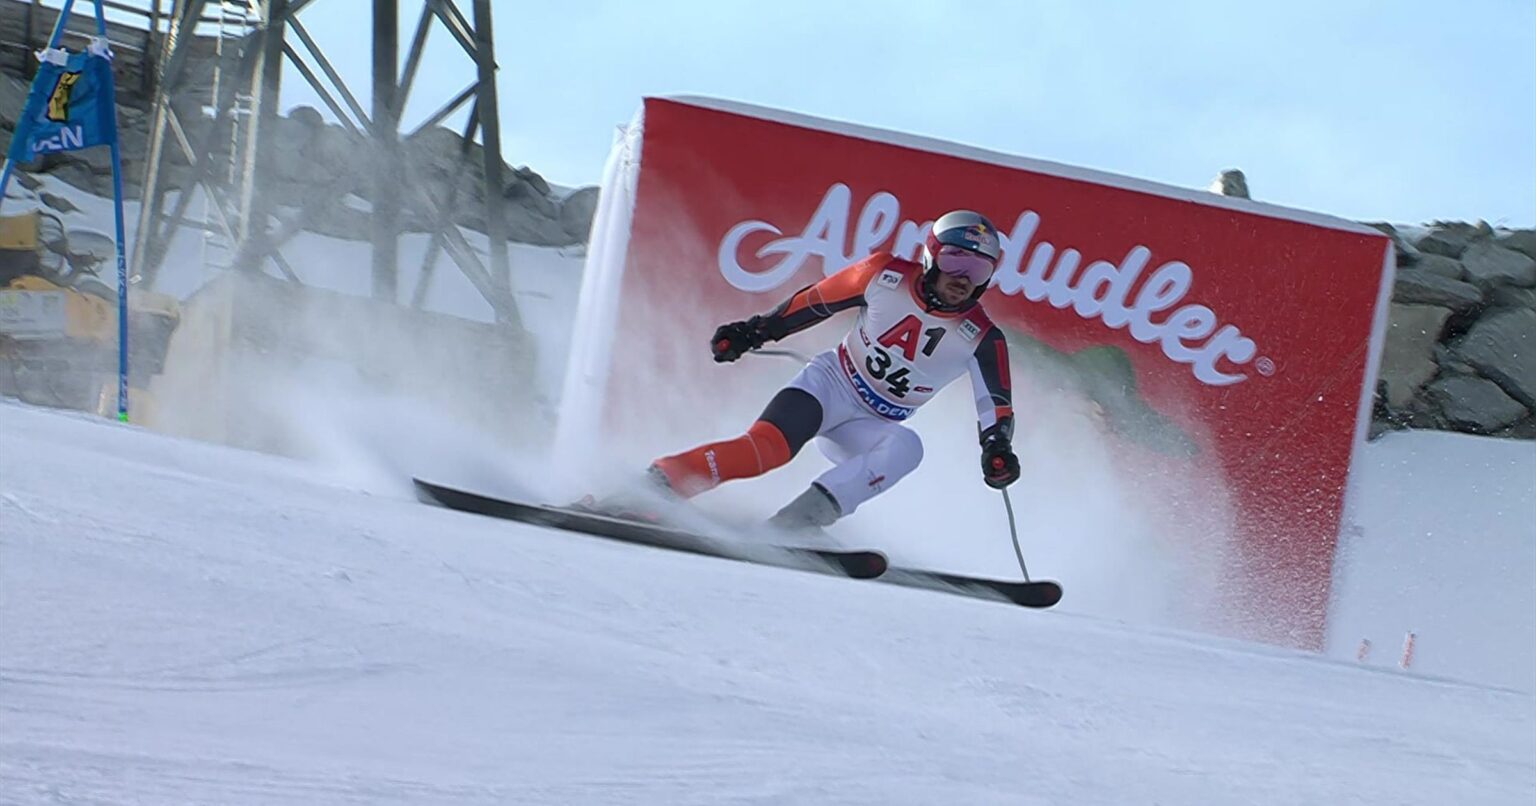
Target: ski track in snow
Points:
(187, 623)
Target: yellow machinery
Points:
(58, 320)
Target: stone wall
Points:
(1461, 344)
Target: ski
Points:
(1038, 593)
(856, 563)
(859, 564)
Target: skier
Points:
(920, 327)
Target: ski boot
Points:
(807, 515)
(646, 502)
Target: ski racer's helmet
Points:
(961, 242)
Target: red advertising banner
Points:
(1220, 333)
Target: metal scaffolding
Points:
(255, 37)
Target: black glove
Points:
(732, 341)
(999, 467)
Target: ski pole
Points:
(1014, 531)
(804, 359)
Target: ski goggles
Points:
(960, 262)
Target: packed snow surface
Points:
(183, 622)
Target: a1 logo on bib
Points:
(969, 330)
(889, 279)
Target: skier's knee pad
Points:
(772, 448)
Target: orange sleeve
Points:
(820, 301)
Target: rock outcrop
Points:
(1461, 345)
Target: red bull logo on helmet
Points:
(980, 235)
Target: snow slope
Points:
(213, 626)
(1445, 549)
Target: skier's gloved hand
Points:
(732, 341)
(999, 466)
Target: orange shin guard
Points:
(754, 453)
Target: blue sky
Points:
(1397, 111)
